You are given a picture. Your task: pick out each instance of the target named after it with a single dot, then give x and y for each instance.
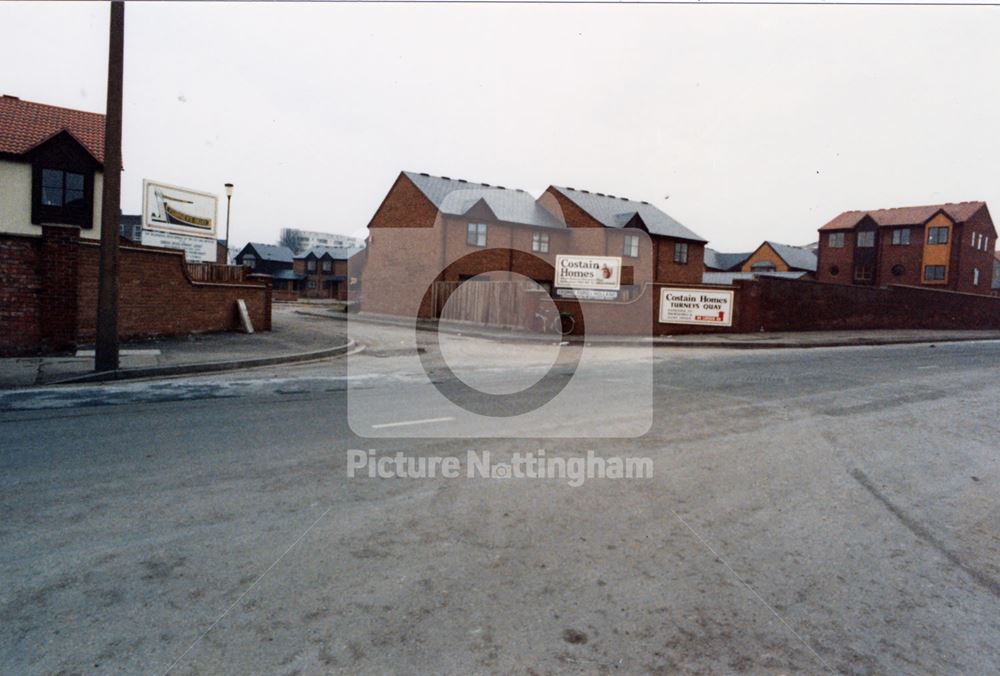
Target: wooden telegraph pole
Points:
(106, 357)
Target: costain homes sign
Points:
(702, 307)
(601, 273)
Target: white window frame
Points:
(681, 253)
(475, 234)
(975, 276)
(866, 239)
(630, 247)
(901, 237)
(835, 240)
(540, 242)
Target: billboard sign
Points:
(181, 211)
(589, 272)
(196, 249)
(702, 307)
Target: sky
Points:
(744, 123)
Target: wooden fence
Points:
(218, 273)
(501, 303)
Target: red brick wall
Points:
(48, 294)
(20, 295)
(773, 305)
(157, 298)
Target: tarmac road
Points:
(810, 510)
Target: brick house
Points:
(275, 260)
(266, 259)
(677, 254)
(947, 246)
(51, 171)
(324, 272)
(51, 168)
(716, 261)
(481, 228)
(996, 271)
(774, 257)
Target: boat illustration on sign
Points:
(164, 212)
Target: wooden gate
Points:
(505, 304)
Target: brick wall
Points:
(20, 294)
(48, 294)
(773, 304)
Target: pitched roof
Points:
(728, 277)
(456, 197)
(724, 261)
(271, 252)
(337, 253)
(957, 211)
(615, 212)
(794, 256)
(26, 124)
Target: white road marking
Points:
(931, 366)
(411, 422)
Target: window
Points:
(631, 246)
(863, 273)
(327, 265)
(476, 234)
(866, 239)
(763, 266)
(680, 252)
(975, 276)
(980, 242)
(834, 270)
(311, 265)
(250, 260)
(901, 237)
(974, 241)
(540, 242)
(933, 273)
(312, 283)
(937, 236)
(62, 189)
(835, 240)
(898, 270)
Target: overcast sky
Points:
(758, 122)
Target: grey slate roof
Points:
(456, 196)
(615, 212)
(724, 261)
(796, 257)
(728, 277)
(337, 253)
(271, 252)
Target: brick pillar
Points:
(58, 267)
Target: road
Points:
(811, 510)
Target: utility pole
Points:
(106, 355)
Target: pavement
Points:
(293, 337)
(810, 511)
(787, 339)
(299, 334)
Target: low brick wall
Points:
(774, 304)
(48, 298)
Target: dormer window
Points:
(62, 189)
